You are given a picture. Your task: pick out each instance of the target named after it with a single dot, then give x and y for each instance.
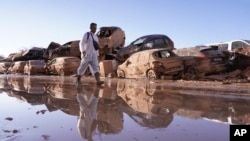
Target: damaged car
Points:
(34, 53)
(110, 39)
(152, 64)
(202, 60)
(145, 43)
(69, 49)
(62, 66)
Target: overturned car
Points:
(110, 39)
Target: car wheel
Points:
(178, 75)
(120, 73)
(151, 75)
(191, 73)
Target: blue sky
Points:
(28, 23)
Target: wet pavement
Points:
(53, 108)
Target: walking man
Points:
(89, 55)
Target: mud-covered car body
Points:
(34, 67)
(145, 43)
(204, 59)
(17, 67)
(110, 38)
(4, 67)
(152, 64)
(62, 65)
(34, 53)
(69, 49)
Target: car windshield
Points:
(248, 41)
(139, 41)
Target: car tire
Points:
(151, 75)
(191, 73)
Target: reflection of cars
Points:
(145, 43)
(150, 111)
(63, 65)
(110, 38)
(206, 59)
(151, 64)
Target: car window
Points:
(238, 44)
(159, 43)
(212, 52)
(163, 54)
(139, 41)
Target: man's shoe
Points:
(99, 83)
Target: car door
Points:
(169, 59)
(142, 64)
(130, 64)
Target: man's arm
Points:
(82, 44)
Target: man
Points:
(89, 55)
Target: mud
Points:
(53, 108)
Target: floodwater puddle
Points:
(53, 108)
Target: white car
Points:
(231, 45)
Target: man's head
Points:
(93, 27)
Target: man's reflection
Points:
(87, 97)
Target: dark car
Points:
(202, 60)
(145, 43)
(34, 53)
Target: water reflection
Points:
(100, 110)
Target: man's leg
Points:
(81, 69)
(95, 66)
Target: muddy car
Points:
(47, 53)
(204, 60)
(8, 59)
(151, 64)
(110, 38)
(144, 43)
(62, 66)
(69, 49)
(17, 67)
(4, 67)
(35, 53)
(34, 67)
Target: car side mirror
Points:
(149, 45)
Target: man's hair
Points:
(93, 24)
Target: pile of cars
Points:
(152, 56)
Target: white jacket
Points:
(86, 44)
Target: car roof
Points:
(149, 51)
(110, 27)
(152, 36)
